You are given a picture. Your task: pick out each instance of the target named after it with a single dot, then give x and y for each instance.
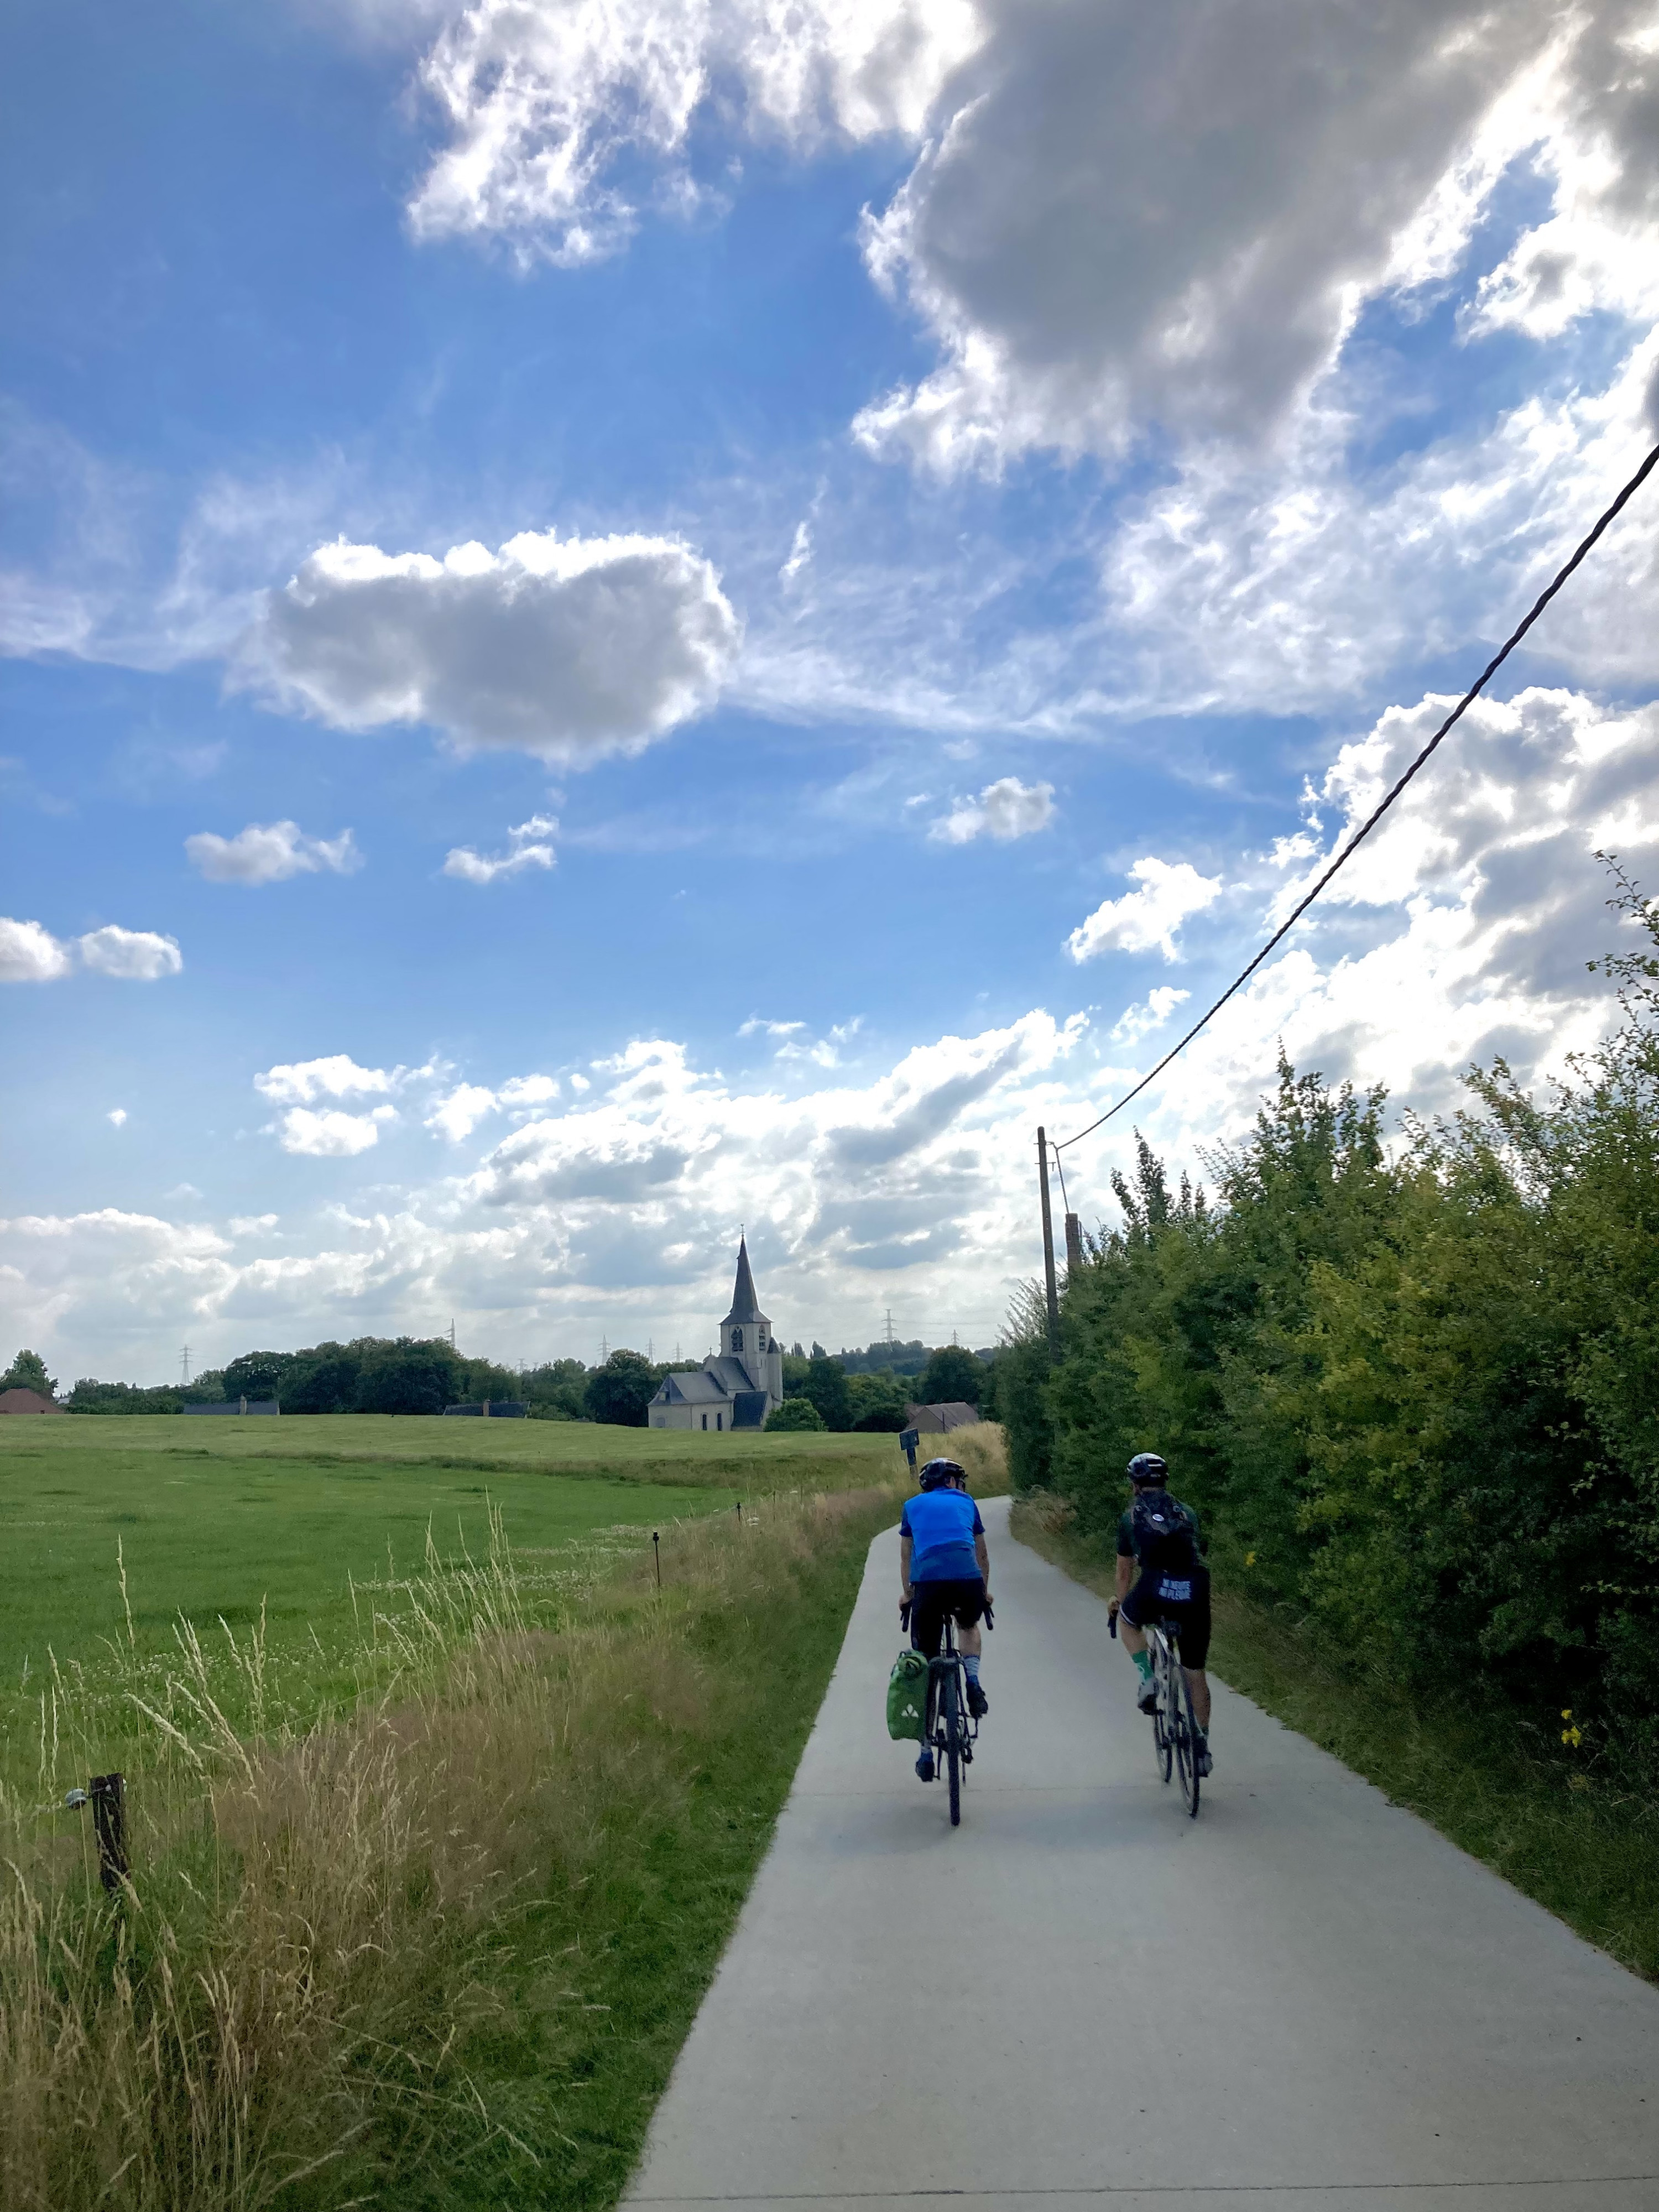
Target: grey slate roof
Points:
(746, 1306)
(700, 1388)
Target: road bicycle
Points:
(1175, 1725)
(1176, 1736)
(949, 1729)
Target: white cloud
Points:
(571, 648)
(297, 1083)
(547, 100)
(1149, 916)
(757, 1026)
(1139, 1021)
(30, 954)
(117, 1117)
(331, 1134)
(526, 849)
(136, 955)
(1168, 219)
(1006, 809)
(269, 852)
(459, 1111)
(800, 553)
(521, 1092)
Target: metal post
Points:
(656, 1553)
(109, 1822)
(1053, 1294)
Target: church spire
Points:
(746, 1306)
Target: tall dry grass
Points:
(304, 1951)
(983, 1448)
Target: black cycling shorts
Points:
(1181, 1600)
(929, 1604)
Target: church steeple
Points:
(746, 1306)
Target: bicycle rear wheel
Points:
(951, 1707)
(1186, 1743)
(1162, 1747)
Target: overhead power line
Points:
(1375, 816)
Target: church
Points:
(738, 1386)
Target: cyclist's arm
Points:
(907, 1549)
(1126, 1575)
(984, 1558)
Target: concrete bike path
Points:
(1304, 1999)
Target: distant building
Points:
(492, 1409)
(939, 1421)
(28, 1401)
(239, 1405)
(738, 1386)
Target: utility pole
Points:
(183, 1367)
(452, 1332)
(1073, 1244)
(605, 1350)
(1051, 1293)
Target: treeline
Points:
(1416, 1397)
(424, 1375)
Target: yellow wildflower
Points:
(1249, 1559)
(1572, 1735)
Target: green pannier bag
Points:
(907, 1696)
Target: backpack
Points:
(1163, 1532)
(907, 1696)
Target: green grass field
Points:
(216, 1519)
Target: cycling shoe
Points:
(1204, 1762)
(978, 1703)
(925, 1767)
(1147, 1697)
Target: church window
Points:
(737, 1339)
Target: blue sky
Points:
(946, 547)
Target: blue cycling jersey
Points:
(942, 1525)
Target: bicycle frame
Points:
(951, 1729)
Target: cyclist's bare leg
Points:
(969, 1642)
(1133, 1637)
(1198, 1683)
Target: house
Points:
(28, 1401)
(939, 1421)
(738, 1386)
(239, 1405)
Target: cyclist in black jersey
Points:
(1162, 1577)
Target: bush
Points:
(1417, 1398)
(795, 1413)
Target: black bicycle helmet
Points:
(937, 1471)
(1147, 1467)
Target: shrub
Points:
(795, 1413)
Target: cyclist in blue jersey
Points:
(945, 1568)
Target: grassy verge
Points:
(440, 1954)
(1496, 1784)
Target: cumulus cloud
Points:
(525, 848)
(1006, 809)
(571, 648)
(136, 955)
(297, 1083)
(269, 852)
(548, 101)
(30, 954)
(1167, 218)
(1151, 917)
(331, 1134)
(117, 1117)
(1139, 1021)
(456, 1115)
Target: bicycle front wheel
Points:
(951, 1704)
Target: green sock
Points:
(1144, 1661)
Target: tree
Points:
(795, 1413)
(619, 1392)
(411, 1376)
(952, 1376)
(323, 1379)
(825, 1384)
(878, 1403)
(257, 1374)
(28, 1372)
(554, 1391)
